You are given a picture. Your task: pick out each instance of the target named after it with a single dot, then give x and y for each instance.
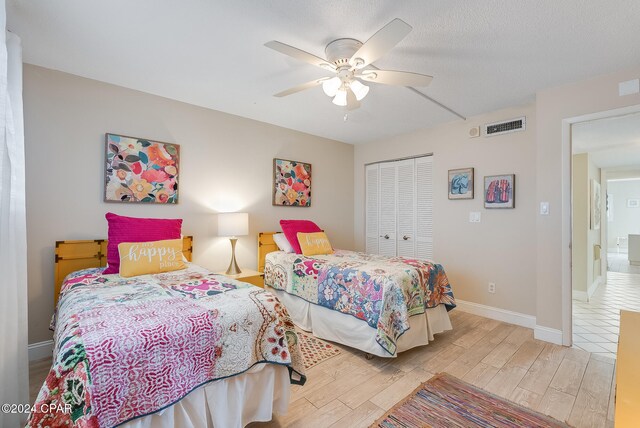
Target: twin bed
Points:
(192, 348)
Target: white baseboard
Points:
(40, 350)
(548, 334)
(581, 296)
(498, 314)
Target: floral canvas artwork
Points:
(499, 191)
(461, 183)
(292, 183)
(139, 170)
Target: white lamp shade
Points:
(331, 86)
(359, 90)
(340, 98)
(233, 224)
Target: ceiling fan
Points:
(351, 61)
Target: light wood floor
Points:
(349, 391)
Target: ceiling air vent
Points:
(498, 128)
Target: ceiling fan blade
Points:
(380, 43)
(300, 55)
(396, 78)
(352, 101)
(302, 87)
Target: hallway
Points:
(596, 324)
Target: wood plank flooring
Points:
(350, 391)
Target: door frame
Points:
(567, 209)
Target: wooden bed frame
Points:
(266, 245)
(75, 255)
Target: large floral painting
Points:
(139, 170)
(292, 183)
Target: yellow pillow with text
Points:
(313, 244)
(142, 258)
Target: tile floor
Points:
(596, 323)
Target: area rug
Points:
(445, 401)
(315, 350)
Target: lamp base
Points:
(233, 269)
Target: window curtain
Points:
(14, 361)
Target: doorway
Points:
(605, 184)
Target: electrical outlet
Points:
(492, 287)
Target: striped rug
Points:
(444, 401)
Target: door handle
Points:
(405, 237)
(385, 236)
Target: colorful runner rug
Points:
(444, 401)
(315, 350)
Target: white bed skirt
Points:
(350, 331)
(233, 402)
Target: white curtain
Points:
(14, 364)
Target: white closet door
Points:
(371, 207)
(406, 197)
(387, 209)
(424, 209)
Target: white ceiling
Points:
(612, 142)
(484, 55)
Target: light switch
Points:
(544, 208)
(629, 87)
(474, 217)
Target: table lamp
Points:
(233, 225)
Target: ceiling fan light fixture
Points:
(341, 98)
(331, 86)
(369, 76)
(359, 89)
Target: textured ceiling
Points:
(484, 55)
(612, 142)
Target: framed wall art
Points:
(461, 183)
(500, 191)
(633, 203)
(596, 205)
(291, 183)
(140, 171)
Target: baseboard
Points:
(40, 350)
(580, 296)
(498, 314)
(547, 334)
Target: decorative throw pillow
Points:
(132, 229)
(290, 228)
(313, 244)
(282, 243)
(142, 258)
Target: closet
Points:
(399, 208)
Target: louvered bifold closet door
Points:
(387, 209)
(424, 207)
(406, 217)
(371, 207)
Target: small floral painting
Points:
(292, 183)
(139, 170)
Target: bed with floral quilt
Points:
(386, 293)
(129, 347)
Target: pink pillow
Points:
(290, 228)
(132, 229)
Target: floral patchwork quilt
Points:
(128, 347)
(382, 291)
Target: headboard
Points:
(75, 255)
(266, 245)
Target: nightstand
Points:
(251, 276)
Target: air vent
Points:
(498, 128)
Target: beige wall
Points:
(553, 156)
(501, 248)
(585, 270)
(625, 220)
(226, 165)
